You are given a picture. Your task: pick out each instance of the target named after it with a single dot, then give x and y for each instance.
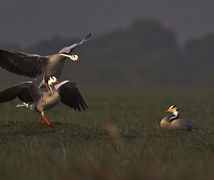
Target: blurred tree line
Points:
(144, 54)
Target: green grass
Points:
(117, 138)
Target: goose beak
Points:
(57, 81)
(169, 111)
(78, 59)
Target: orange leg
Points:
(47, 87)
(44, 119)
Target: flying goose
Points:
(33, 65)
(34, 99)
(175, 122)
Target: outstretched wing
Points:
(69, 49)
(30, 65)
(26, 92)
(71, 96)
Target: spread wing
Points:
(71, 96)
(26, 92)
(69, 49)
(30, 65)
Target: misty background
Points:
(135, 44)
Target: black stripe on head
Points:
(173, 106)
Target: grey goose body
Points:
(177, 124)
(175, 121)
(34, 99)
(33, 65)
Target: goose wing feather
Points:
(26, 92)
(190, 123)
(69, 49)
(71, 96)
(30, 65)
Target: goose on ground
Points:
(33, 98)
(33, 65)
(175, 122)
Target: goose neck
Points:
(174, 116)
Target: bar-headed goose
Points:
(33, 65)
(175, 122)
(34, 99)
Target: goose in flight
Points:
(34, 99)
(175, 122)
(33, 65)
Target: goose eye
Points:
(75, 56)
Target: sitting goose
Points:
(175, 122)
(33, 65)
(34, 99)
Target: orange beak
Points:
(167, 110)
(57, 81)
(78, 59)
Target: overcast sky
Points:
(28, 21)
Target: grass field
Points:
(117, 138)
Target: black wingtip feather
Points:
(88, 36)
(71, 97)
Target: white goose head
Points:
(75, 57)
(52, 80)
(174, 110)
